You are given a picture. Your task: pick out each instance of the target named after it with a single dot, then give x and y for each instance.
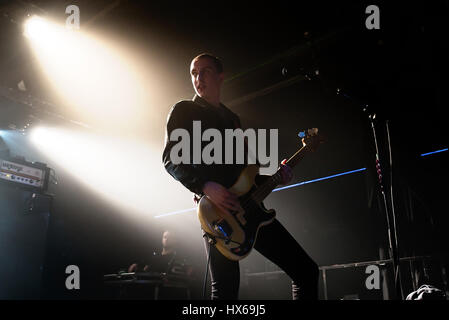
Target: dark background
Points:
(399, 71)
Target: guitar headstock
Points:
(311, 138)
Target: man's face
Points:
(168, 240)
(205, 78)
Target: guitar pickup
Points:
(223, 228)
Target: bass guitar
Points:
(235, 234)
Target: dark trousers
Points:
(276, 244)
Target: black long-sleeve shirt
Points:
(194, 176)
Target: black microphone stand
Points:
(398, 281)
(391, 228)
(393, 247)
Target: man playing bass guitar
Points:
(213, 181)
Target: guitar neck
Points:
(298, 156)
(272, 182)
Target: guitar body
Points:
(236, 234)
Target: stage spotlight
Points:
(36, 27)
(95, 78)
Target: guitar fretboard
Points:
(271, 183)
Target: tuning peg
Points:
(313, 131)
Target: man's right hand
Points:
(225, 200)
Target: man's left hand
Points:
(286, 172)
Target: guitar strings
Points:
(259, 192)
(269, 184)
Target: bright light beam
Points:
(319, 179)
(174, 212)
(278, 189)
(126, 172)
(433, 152)
(98, 81)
